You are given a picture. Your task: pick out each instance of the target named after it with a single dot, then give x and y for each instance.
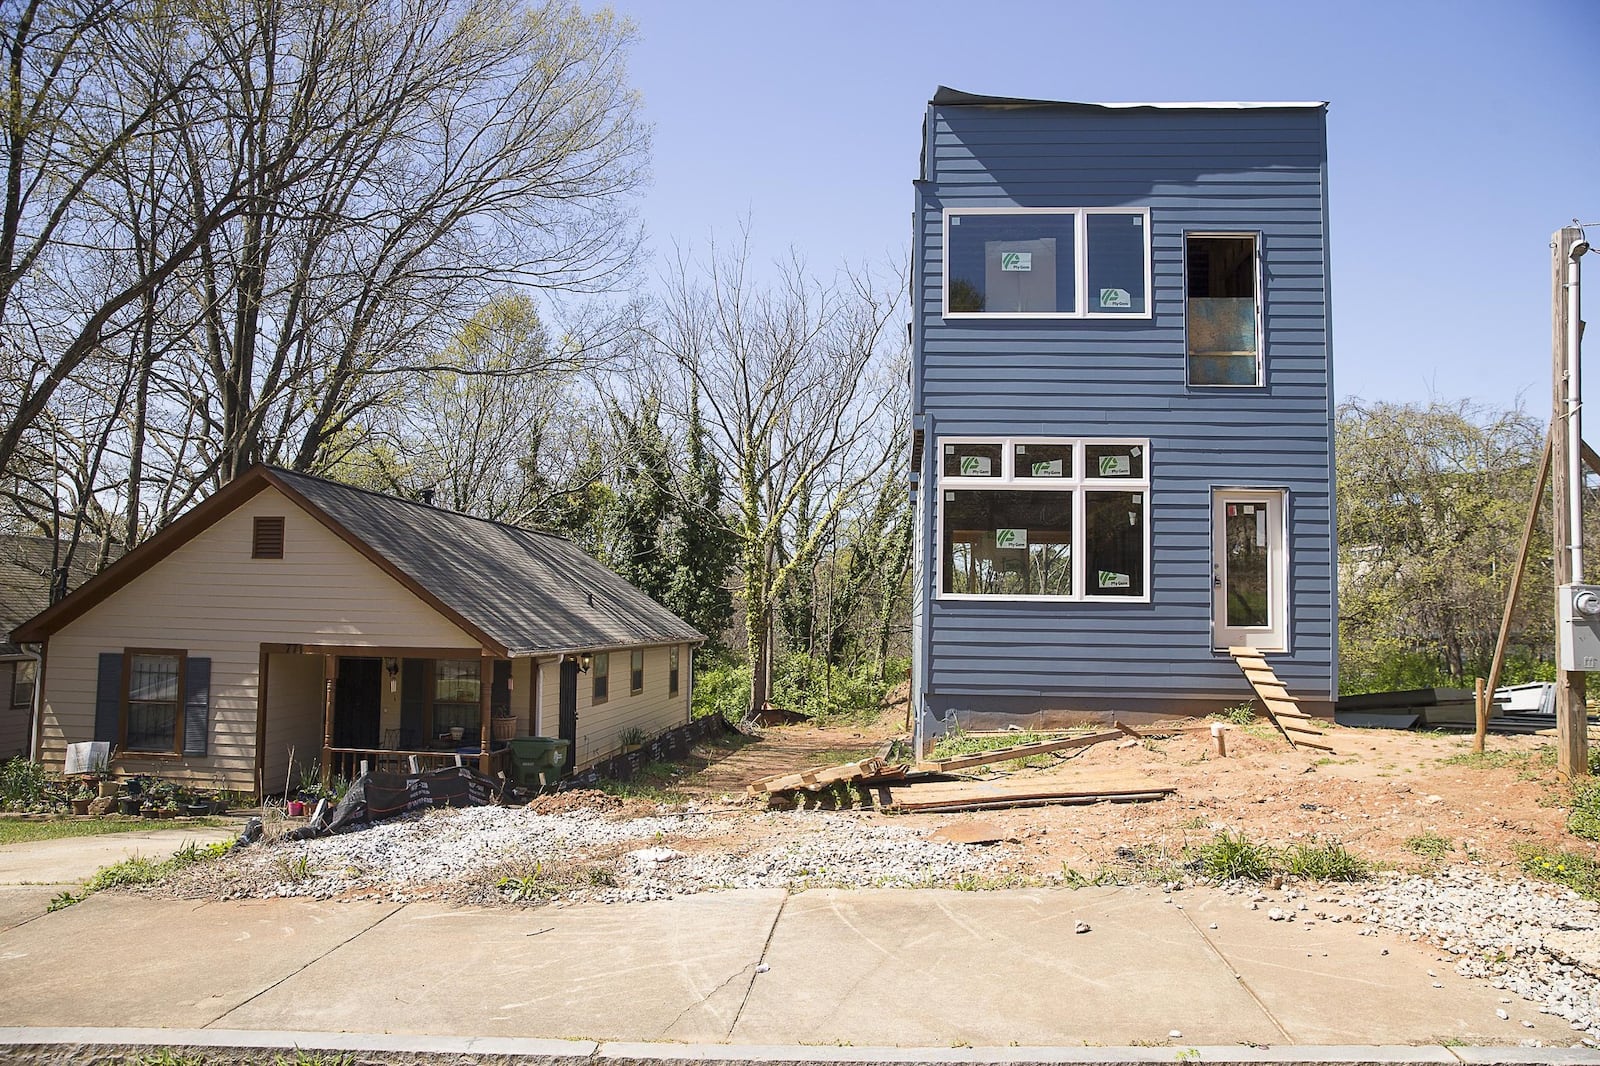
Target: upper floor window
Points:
(1048, 262)
(1222, 308)
(1048, 518)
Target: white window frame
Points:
(1080, 265)
(1078, 485)
(1261, 317)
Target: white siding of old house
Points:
(600, 728)
(210, 598)
(294, 719)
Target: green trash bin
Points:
(536, 762)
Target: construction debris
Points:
(1020, 751)
(973, 833)
(1282, 708)
(873, 769)
(983, 796)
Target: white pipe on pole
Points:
(1575, 411)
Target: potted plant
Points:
(195, 805)
(503, 723)
(131, 802)
(82, 796)
(632, 738)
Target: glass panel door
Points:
(1249, 570)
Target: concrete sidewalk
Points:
(34, 873)
(908, 968)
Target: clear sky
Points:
(1461, 135)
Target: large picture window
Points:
(457, 694)
(1047, 518)
(1047, 262)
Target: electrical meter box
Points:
(1579, 607)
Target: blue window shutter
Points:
(196, 705)
(108, 699)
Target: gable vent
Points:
(267, 543)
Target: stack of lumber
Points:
(871, 770)
(1296, 726)
(913, 796)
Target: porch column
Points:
(330, 672)
(485, 692)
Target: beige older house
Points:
(291, 614)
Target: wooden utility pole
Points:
(1572, 719)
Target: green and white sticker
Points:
(1016, 261)
(1115, 466)
(1111, 580)
(974, 466)
(1011, 538)
(1047, 468)
(1115, 298)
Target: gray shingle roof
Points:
(533, 592)
(25, 564)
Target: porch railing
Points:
(346, 762)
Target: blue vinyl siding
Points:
(1257, 171)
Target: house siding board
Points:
(600, 728)
(210, 598)
(1257, 171)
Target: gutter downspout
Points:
(35, 718)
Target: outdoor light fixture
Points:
(391, 666)
(585, 661)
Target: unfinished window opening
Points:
(1222, 310)
(266, 541)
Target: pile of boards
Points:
(926, 786)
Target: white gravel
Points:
(465, 853)
(1535, 940)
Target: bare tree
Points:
(793, 382)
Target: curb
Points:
(20, 1044)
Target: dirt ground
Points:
(1379, 790)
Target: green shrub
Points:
(27, 786)
(1584, 818)
(808, 685)
(721, 686)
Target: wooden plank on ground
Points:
(978, 796)
(813, 779)
(1020, 751)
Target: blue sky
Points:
(1460, 136)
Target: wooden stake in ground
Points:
(1481, 706)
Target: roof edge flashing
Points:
(944, 96)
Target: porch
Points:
(327, 711)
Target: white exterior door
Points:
(1249, 570)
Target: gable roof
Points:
(26, 563)
(518, 591)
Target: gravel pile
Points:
(1537, 941)
(476, 853)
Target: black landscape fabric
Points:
(375, 796)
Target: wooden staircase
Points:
(1295, 725)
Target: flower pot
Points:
(80, 807)
(197, 810)
(295, 809)
(107, 788)
(129, 805)
(503, 728)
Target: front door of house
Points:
(1249, 570)
(358, 703)
(567, 706)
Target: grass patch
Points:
(1234, 857)
(1488, 760)
(172, 1057)
(138, 870)
(1577, 872)
(1324, 861)
(655, 781)
(24, 830)
(1430, 846)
